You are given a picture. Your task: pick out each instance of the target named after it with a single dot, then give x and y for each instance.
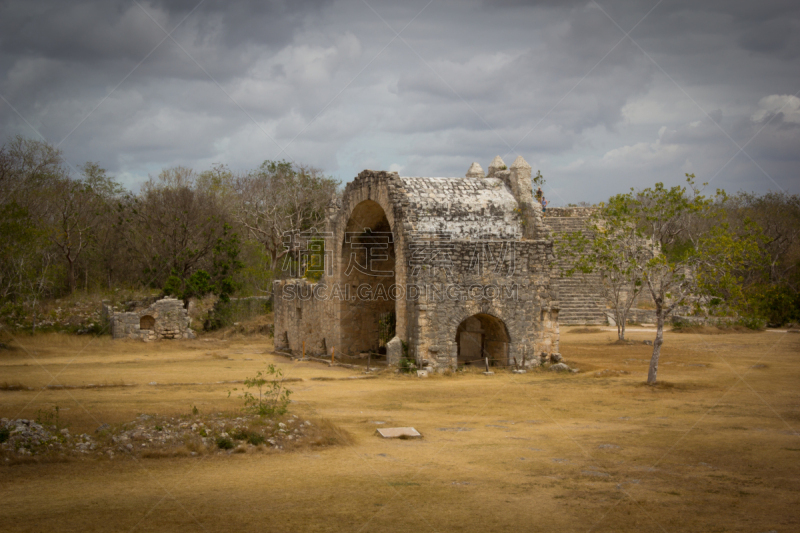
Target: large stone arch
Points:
(371, 194)
(367, 313)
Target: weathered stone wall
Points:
(164, 319)
(302, 317)
(518, 293)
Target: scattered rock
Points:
(593, 473)
(148, 435)
(559, 367)
(609, 373)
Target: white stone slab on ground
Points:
(399, 433)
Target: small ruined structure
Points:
(164, 319)
(440, 271)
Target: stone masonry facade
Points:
(164, 319)
(443, 271)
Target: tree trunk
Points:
(651, 375)
(619, 317)
(71, 275)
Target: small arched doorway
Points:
(482, 336)
(147, 322)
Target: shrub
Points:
(48, 418)
(224, 443)
(778, 304)
(273, 397)
(407, 365)
(752, 322)
(252, 437)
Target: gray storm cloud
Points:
(600, 96)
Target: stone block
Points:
(399, 433)
(394, 351)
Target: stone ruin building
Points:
(441, 271)
(165, 319)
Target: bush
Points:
(252, 437)
(224, 443)
(753, 322)
(273, 397)
(778, 304)
(407, 365)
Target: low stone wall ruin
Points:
(164, 319)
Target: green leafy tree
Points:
(672, 243)
(224, 265)
(693, 247)
(614, 248)
(771, 288)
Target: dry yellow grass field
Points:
(715, 447)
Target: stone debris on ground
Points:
(80, 316)
(154, 436)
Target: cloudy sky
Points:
(600, 96)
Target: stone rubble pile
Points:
(149, 435)
(27, 437)
(83, 316)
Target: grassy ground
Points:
(714, 447)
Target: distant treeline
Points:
(186, 233)
(189, 233)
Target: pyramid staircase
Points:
(581, 300)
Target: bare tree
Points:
(172, 226)
(778, 215)
(26, 164)
(76, 207)
(280, 198)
